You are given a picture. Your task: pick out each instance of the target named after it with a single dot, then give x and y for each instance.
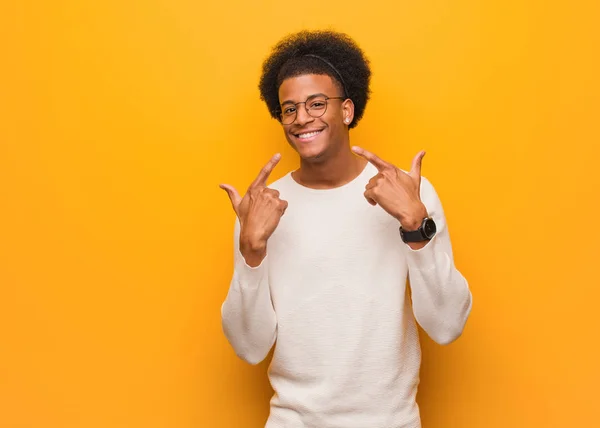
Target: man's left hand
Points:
(397, 192)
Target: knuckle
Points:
(271, 194)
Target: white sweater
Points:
(331, 293)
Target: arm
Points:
(440, 294)
(248, 318)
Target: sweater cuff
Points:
(248, 276)
(423, 258)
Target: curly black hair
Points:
(317, 52)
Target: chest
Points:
(330, 231)
(352, 247)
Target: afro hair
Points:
(317, 52)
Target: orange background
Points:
(118, 120)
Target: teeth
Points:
(309, 134)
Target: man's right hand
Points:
(259, 212)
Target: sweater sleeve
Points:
(441, 297)
(247, 315)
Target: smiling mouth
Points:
(308, 136)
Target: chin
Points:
(313, 159)
(312, 155)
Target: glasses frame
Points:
(281, 108)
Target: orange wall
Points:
(118, 120)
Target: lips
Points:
(307, 136)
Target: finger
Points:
(373, 182)
(272, 192)
(379, 163)
(284, 207)
(415, 169)
(261, 179)
(233, 194)
(369, 197)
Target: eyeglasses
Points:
(315, 106)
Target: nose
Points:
(302, 116)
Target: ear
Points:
(347, 111)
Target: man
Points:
(327, 281)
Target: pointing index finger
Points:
(374, 159)
(263, 175)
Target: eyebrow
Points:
(311, 96)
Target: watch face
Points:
(429, 228)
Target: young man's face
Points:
(315, 138)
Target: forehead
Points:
(299, 88)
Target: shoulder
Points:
(427, 188)
(429, 195)
(426, 185)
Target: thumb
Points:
(233, 194)
(415, 169)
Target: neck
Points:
(330, 173)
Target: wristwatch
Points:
(424, 233)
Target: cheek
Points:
(288, 137)
(334, 121)
(336, 126)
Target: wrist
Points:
(411, 223)
(253, 254)
(252, 240)
(252, 245)
(413, 220)
(253, 250)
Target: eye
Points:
(317, 104)
(289, 111)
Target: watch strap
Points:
(413, 235)
(418, 235)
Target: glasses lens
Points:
(288, 115)
(317, 106)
